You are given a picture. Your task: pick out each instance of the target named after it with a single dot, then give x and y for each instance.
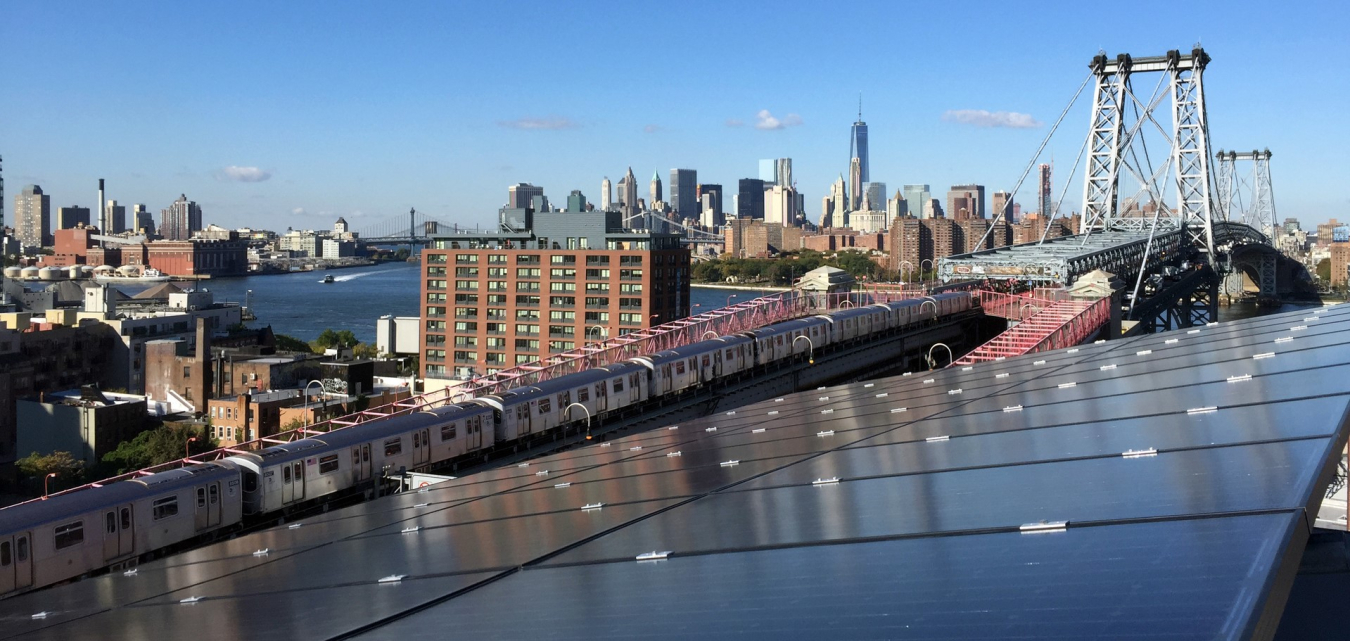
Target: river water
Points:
(300, 305)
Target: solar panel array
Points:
(1153, 486)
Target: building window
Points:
(466, 284)
(496, 259)
(496, 343)
(496, 286)
(527, 272)
(527, 259)
(563, 260)
(562, 287)
(525, 286)
(527, 330)
(466, 327)
(560, 316)
(462, 272)
(630, 288)
(527, 344)
(527, 314)
(527, 300)
(568, 274)
(466, 299)
(597, 274)
(496, 272)
(466, 258)
(561, 346)
(434, 258)
(466, 341)
(494, 358)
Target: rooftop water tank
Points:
(29, 273)
(13, 271)
(50, 273)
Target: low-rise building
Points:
(85, 422)
(245, 417)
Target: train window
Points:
(583, 394)
(201, 497)
(447, 432)
(356, 457)
(393, 446)
(365, 455)
(599, 390)
(679, 367)
(706, 360)
(215, 492)
(111, 523)
(126, 518)
(618, 385)
(417, 440)
(68, 535)
(250, 482)
(4, 554)
(286, 474)
(164, 508)
(326, 464)
(21, 549)
(544, 406)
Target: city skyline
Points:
(284, 137)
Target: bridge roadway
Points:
(1160, 485)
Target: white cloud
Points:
(982, 118)
(651, 129)
(765, 120)
(735, 122)
(547, 123)
(298, 211)
(243, 174)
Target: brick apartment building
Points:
(491, 301)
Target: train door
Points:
(601, 399)
(298, 486)
(424, 454)
(213, 504)
(473, 428)
(287, 488)
(365, 462)
(358, 472)
(667, 380)
(16, 563)
(117, 534)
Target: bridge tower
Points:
(1115, 146)
(1259, 210)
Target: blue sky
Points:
(290, 114)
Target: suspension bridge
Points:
(418, 229)
(1185, 227)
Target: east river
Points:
(300, 305)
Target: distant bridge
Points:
(418, 229)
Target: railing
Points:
(744, 316)
(1052, 324)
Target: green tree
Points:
(330, 339)
(69, 470)
(1324, 269)
(365, 350)
(160, 445)
(291, 344)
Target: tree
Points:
(1324, 269)
(160, 445)
(365, 350)
(69, 470)
(291, 344)
(330, 339)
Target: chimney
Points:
(102, 210)
(203, 359)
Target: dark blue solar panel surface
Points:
(892, 508)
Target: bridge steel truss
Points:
(1060, 261)
(1259, 209)
(1109, 143)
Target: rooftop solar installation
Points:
(1157, 486)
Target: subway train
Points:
(116, 525)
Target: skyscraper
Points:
(784, 172)
(857, 147)
(855, 183)
(839, 203)
(71, 217)
(969, 198)
(780, 205)
(655, 189)
(33, 217)
(1003, 203)
(576, 201)
(877, 193)
(143, 220)
(917, 196)
(768, 171)
(683, 193)
(114, 218)
(520, 195)
(1044, 191)
(606, 195)
(180, 219)
(715, 203)
(750, 198)
(628, 198)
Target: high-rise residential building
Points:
(1003, 203)
(33, 217)
(114, 218)
(965, 201)
(716, 192)
(897, 207)
(72, 217)
(180, 219)
(576, 201)
(606, 195)
(143, 220)
(655, 190)
(917, 196)
(857, 146)
(855, 183)
(750, 198)
(1044, 191)
(520, 195)
(684, 193)
(492, 301)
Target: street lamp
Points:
(602, 331)
(567, 412)
(44, 484)
(950, 357)
(729, 300)
(902, 269)
(930, 268)
(321, 395)
(187, 447)
(705, 335)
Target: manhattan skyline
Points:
(295, 115)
